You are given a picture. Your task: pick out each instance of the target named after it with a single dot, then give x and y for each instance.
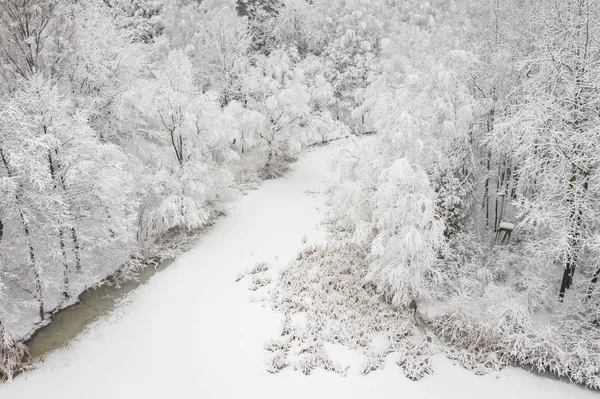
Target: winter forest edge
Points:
(470, 218)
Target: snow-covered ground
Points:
(193, 332)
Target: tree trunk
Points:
(486, 191)
(593, 283)
(576, 219)
(61, 235)
(36, 273)
(77, 250)
(567, 278)
(65, 265)
(498, 184)
(270, 156)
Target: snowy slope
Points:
(192, 332)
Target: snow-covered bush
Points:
(415, 357)
(13, 355)
(498, 329)
(499, 311)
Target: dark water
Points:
(94, 303)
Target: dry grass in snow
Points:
(325, 300)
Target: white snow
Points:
(192, 331)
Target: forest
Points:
(470, 215)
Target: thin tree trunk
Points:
(36, 272)
(509, 179)
(567, 278)
(269, 157)
(593, 283)
(496, 196)
(514, 182)
(65, 265)
(504, 183)
(77, 250)
(576, 219)
(486, 191)
(61, 235)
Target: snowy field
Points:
(193, 332)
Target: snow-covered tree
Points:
(192, 139)
(222, 54)
(322, 125)
(496, 79)
(409, 191)
(409, 235)
(143, 17)
(70, 192)
(101, 63)
(261, 16)
(24, 27)
(278, 93)
(355, 33)
(299, 24)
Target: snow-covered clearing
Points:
(193, 332)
